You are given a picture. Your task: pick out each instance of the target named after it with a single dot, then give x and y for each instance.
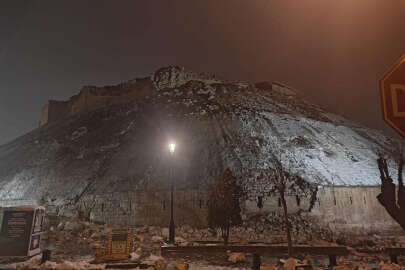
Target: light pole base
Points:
(169, 245)
(172, 232)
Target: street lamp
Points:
(172, 147)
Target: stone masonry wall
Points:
(89, 99)
(54, 111)
(350, 209)
(44, 115)
(150, 207)
(354, 209)
(340, 209)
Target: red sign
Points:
(393, 96)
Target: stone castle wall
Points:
(89, 99)
(353, 209)
(340, 209)
(346, 209)
(151, 207)
(54, 111)
(92, 98)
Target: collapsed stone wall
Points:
(352, 210)
(337, 209)
(149, 208)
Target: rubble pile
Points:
(267, 227)
(74, 240)
(261, 228)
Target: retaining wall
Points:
(346, 209)
(354, 209)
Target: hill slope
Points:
(216, 124)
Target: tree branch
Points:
(388, 197)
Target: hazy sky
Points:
(333, 51)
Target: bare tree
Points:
(279, 180)
(391, 198)
(224, 209)
(86, 206)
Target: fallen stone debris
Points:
(34, 263)
(77, 244)
(236, 257)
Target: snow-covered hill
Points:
(215, 123)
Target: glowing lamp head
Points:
(172, 147)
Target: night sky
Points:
(333, 51)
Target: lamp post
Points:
(172, 147)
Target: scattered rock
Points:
(29, 264)
(95, 235)
(157, 239)
(33, 263)
(135, 256)
(392, 266)
(159, 263)
(68, 226)
(165, 232)
(364, 267)
(290, 264)
(346, 266)
(74, 226)
(79, 133)
(182, 266)
(236, 257)
(49, 265)
(180, 239)
(268, 267)
(60, 226)
(96, 266)
(108, 147)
